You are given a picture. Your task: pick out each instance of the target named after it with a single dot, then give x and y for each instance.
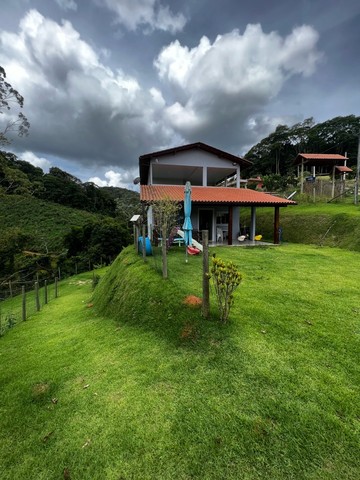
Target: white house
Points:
(215, 205)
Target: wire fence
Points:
(18, 307)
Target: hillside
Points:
(136, 385)
(330, 224)
(37, 238)
(45, 222)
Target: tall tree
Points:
(10, 98)
(275, 153)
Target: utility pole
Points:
(356, 200)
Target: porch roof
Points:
(219, 195)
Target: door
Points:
(206, 221)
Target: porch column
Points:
(230, 226)
(204, 180)
(150, 173)
(238, 176)
(276, 226)
(235, 223)
(253, 223)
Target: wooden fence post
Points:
(37, 299)
(23, 293)
(56, 287)
(143, 242)
(206, 290)
(164, 254)
(45, 292)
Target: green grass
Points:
(46, 222)
(330, 224)
(146, 389)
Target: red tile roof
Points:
(220, 195)
(319, 158)
(343, 168)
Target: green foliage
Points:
(12, 241)
(165, 214)
(330, 224)
(127, 205)
(275, 153)
(97, 241)
(278, 183)
(12, 179)
(10, 98)
(225, 278)
(20, 177)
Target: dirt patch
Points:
(192, 300)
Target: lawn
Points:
(133, 384)
(324, 224)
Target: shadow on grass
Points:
(134, 292)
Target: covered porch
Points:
(218, 210)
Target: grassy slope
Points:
(274, 394)
(334, 224)
(44, 220)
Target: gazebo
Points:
(321, 164)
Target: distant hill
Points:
(45, 223)
(18, 177)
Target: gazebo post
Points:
(302, 176)
(333, 183)
(277, 226)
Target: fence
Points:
(18, 308)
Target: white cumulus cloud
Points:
(114, 179)
(218, 86)
(149, 14)
(41, 162)
(67, 4)
(79, 108)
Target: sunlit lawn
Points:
(156, 392)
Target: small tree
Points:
(165, 214)
(226, 278)
(8, 98)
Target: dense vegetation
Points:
(149, 390)
(18, 177)
(331, 224)
(275, 153)
(54, 220)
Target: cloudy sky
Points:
(105, 81)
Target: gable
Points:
(186, 163)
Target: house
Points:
(216, 207)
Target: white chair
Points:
(219, 235)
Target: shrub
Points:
(226, 278)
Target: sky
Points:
(105, 81)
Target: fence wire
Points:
(23, 301)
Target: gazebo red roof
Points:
(343, 169)
(218, 195)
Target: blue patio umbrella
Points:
(187, 227)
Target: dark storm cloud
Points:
(119, 78)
